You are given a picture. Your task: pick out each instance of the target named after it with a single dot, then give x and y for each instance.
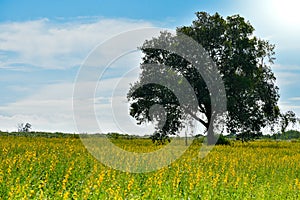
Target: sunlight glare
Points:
(287, 12)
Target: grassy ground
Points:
(61, 168)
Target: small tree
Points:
(160, 138)
(287, 118)
(24, 128)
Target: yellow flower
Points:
(130, 183)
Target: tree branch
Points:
(196, 117)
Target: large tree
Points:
(243, 62)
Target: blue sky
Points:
(43, 44)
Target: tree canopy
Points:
(287, 118)
(243, 61)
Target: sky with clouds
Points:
(44, 43)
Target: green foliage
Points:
(291, 134)
(287, 118)
(24, 127)
(160, 138)
(243, 61)
(248, 135)
(222, 140)
(40, 134)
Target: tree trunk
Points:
(186, 142)
(211, 139)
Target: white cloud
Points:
(294, 99)
(286, 68)
(45, 44)
(275, 20)
(286, 78)
(48, 45)
(288, 106)
(48, 109)
(51, 109)
(286, 75)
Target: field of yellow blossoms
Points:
(61, 168)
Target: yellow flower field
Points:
(61, 168)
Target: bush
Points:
(222, 140)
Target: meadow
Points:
(62, 168)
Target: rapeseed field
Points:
(62, 168)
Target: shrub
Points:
(222, 140)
